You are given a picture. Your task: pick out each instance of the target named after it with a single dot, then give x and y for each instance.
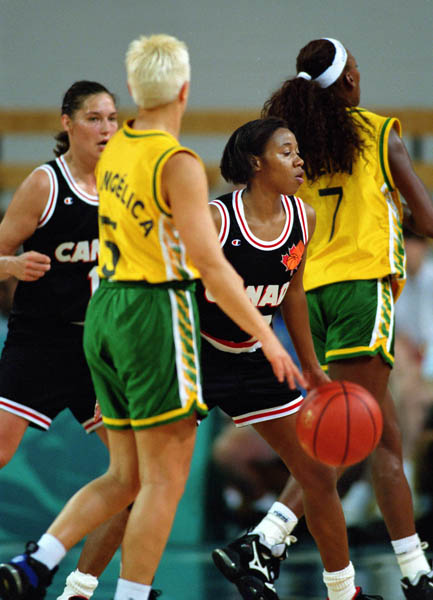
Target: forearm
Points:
(295, 315)
(6, 267)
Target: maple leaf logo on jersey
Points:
(294, 257)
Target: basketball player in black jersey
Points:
(264, 230)
(53, 215)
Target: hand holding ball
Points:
(339, 423)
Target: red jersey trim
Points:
(52, 198)
(92, 424)
(235, 347)
(247, 233)
(302, 217)
(26, 413)
(269, 413)
(225, 221)
(89, 198)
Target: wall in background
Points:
(240, 51)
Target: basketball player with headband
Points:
(356, 165)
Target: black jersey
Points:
(266, 267)
(68, 233)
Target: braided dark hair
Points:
(247, 141)
(328, 136)
(72, 101)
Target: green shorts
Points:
(352, 318)
(142, 344)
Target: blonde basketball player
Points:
(141, 334)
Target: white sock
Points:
(79, 584)
(410, 556)
(276, 525)
(340, 584)
(50, 551)
(131, 590)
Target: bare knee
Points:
(387, 464)
(126, 484)
(316, 478)
(12, 429)
(4, 458)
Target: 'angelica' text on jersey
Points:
(116, 184)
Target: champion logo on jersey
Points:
(68, 200)
(236, 242)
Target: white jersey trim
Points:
(238, 209)
(302, 214)
(29, 414)
(250, 345)
(91, 425)
(225, 221)
(88, 198)
(52, 197)
(269, 414)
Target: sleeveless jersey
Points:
(138, 240)
(358, 231)
(266, 267)
(68, 233)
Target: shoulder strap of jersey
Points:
(50, 206)
(225, 220)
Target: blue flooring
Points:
(188, 573)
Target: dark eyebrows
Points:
(98, 113)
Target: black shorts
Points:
(244, 386)
(43, 371)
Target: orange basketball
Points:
(339, 423)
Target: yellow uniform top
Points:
(138, 240)
(358, 216)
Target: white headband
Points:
(304, 75)
(333, 72)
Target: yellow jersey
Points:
(359, 216)
(137, 237)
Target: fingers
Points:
(285, 370)
(32, 266)
(283, 366)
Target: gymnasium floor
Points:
(188, 573)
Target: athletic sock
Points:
(410, 556)
(340, 584)
(79, 584)
(50, 551)
(276, 526)
(131, 590)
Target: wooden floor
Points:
(188, 573)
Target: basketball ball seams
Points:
(339, 423)
(347, 403)
(322, 415)
(373, 422)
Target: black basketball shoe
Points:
(251, 566)
(24, 578)
(420, 589)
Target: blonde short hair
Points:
(157, 66)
